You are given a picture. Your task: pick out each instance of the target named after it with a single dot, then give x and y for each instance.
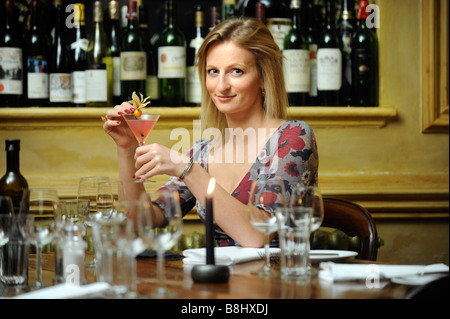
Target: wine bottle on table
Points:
(60, 89)
(346, 29)
(11, 59)
(78, 50)
(193, 84)
(99, 72)
(113, 38)
(329, 60)
(133, 58)
(37, 56)
(13, 183)
(365, 62)
(172, 61)
(152, 83)
(296, 63)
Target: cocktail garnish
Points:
(139, 103)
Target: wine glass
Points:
(160, 237)
(88, 189)
(141, 127)
(43, 206)
(266, 197)
(309, 197)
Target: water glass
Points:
(113, 243)
(294, 232)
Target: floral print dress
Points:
(290, 154)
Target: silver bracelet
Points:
(187, 168)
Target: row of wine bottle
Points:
(327, 62)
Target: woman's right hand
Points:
(116, 127)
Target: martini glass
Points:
(141, 127)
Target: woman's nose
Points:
(224, 83)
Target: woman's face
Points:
(232, 78)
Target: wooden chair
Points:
(353, 220)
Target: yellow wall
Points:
(396, 171)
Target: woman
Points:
(244, 97)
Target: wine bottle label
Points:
(152, 87)
(37, 78)
(193, 85)
(60, 87)
(363, 61)
(116, 76)
(133, 65)
(79, 87)
(96, 85)
(81, 43)
(171, 62)
(279, 27)
(296, 70)
(313, 67)
(329, 69)
(11, 71)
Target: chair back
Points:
(353, 220)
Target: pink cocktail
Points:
(141, 126)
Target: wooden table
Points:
(242, 283)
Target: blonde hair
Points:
(254, 36)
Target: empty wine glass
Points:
(43, 206)
(309, 197)
(88, 189)
(266, 196)
(160, 237)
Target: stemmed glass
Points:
(43, 206)
(309, 197)
(88, 189)
(266, 197)
(141, 127)
(160, 237)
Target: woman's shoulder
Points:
(296, 126)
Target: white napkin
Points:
(347, 272)
(64, 291)
(225, 255)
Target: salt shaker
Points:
(73, 249)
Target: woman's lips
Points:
(225, 98)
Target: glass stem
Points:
(161, 271)
(38, 263)
(267, 250)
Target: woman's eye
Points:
(212, 71)
(237, 71)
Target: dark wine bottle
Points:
(99, 71)
(13, 183)
(78, 52)
(296, 63)
(365, 62)
(346, 29)
(260, 12)
(193, 85)
(152, 83)
(312, 24)
(113, 38)
(133, 58)
(279, 20)
(329, 60)
(60, 62)
(172, 61)
(214, 17)
(37, 56)
(228, 9)
(11, 59)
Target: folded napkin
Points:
(225, 255)
(347, 272)
(63, 291)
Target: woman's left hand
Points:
(156, 159)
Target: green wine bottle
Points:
(172, 61)
(296, 63)
(133, 58)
